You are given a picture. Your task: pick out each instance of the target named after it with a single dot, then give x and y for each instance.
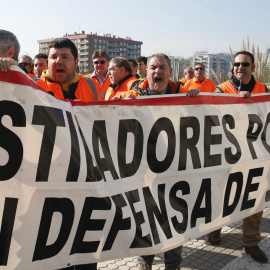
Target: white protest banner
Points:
(87, 182)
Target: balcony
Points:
(84, 42)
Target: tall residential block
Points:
(88, 43)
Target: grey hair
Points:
(28, 57)
(121, 62)
(8, 39)
(159, 55)
(186, 69)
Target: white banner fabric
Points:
(87, 182)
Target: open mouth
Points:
(158, 80)
(60, 71)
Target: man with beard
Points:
(243, 83)
(61, 80)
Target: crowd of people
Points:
(119, 78)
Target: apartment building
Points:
(88, 43)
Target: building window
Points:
(100, 41)
(104, 47)
(95, 40)
(100, 46)
(104, 41)
(95, 46)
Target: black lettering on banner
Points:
(198, 211)
(189, 143)
(51, 205)
(9, 140)
(87, 224)
(229, 156)
(50, 118)
(265, 144)
(129, 126)
(210, 139)
(8, 219)
(180, 205)
(251, 187)
(93, 173)
(253, 136)
(237, 178)
(75, 158)
(156, 166)
(139, 241)
(153, 211)
(99, 135)
(119, 223)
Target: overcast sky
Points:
(174, 27)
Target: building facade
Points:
(88, 43)
(216, 65)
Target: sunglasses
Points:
(244, 64)
(200, 68)
(102, 62)
(26, 64)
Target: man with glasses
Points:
(199, 81)
(27, 62)
(9, 50)
(100, 75)
(189, 74)
(243, 83)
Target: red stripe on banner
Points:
(17, 77)
(171, 100)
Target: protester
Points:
(134, 67)
(243, 83)
(40, 64)
(9, 50)
(61, 80)
(120, 74)
(27, 62)
(189, 74)
(142, 62)
(199, 81)
(158, 82)
(100, 75)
